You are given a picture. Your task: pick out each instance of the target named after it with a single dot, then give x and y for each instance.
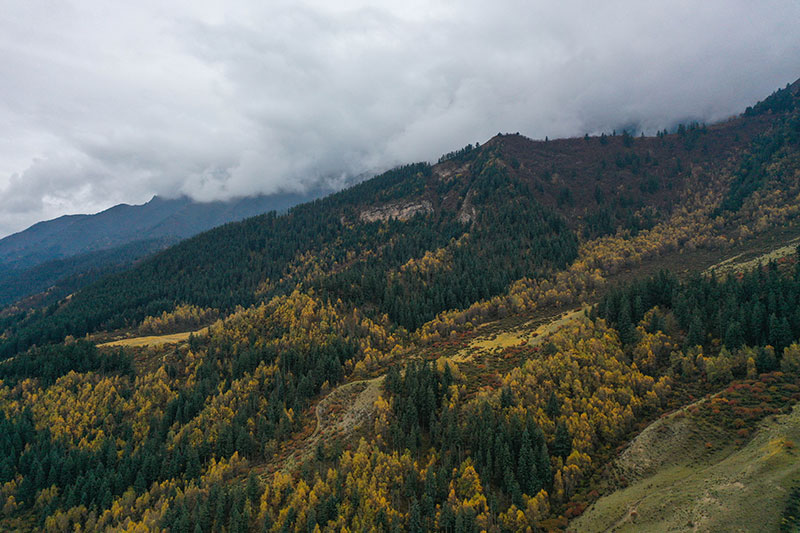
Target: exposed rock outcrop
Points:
(399, 211)
(467, 213)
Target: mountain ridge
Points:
(159, 218)
(63, 254)
(562, 191)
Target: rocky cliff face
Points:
(396, 210)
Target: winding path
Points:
(359, 411)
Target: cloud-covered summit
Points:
(102, 103)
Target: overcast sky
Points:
(107, 102)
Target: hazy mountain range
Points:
(73, 249)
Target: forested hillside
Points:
(159, 219)
(395, 357)
(63, 255)
(52, 280)
(421, 239)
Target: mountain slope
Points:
(422, 239)
(166, 219)
(387, 358)
(54, 279)
(62, 255)
(716, 488)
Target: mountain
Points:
(421, 239)
(498, 341)
(52, 280)
(68, 252)
(160, 218)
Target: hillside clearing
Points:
(522, 335)
(743, 262)
(689, 477)
(154, 340)
(338, 415)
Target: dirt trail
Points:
(358, 412)
(352, 405)
(737, 264)
(343, 410)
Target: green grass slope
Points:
(691, 477)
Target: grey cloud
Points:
(101, 104)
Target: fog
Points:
(102, 104)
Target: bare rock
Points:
(399, 211)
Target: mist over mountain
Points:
(167, 219)
(221, 102)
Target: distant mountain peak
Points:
(160, 218)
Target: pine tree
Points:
(526, 468)
(506, 398)
(415, 518)
(139, 485)
(696, 335)
(733, 336)
(182, 521)
(553, 408)
(235, 524)
(267, 525)
(766, 360)
(562, 442)
(780, 333)
(253, 488)
(627, 333)
(193, 466)
(543, 466)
